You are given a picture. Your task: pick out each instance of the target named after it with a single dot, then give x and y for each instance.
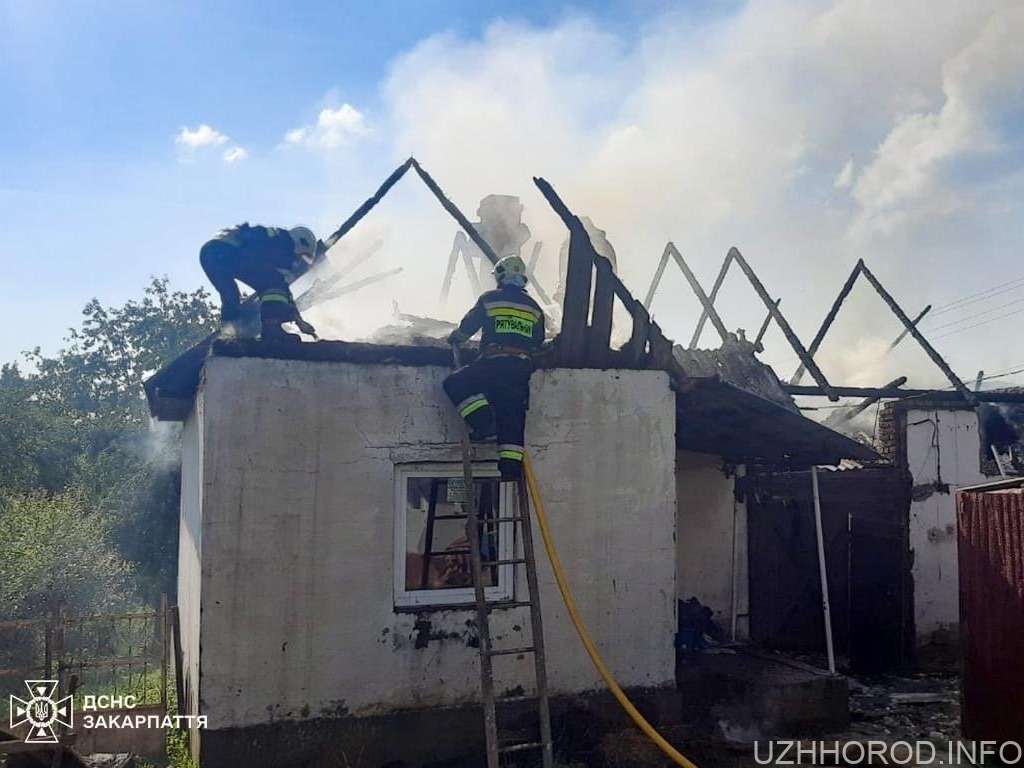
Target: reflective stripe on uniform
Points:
(472, 404)
(277, 295)
(511, 309)
(509, 451)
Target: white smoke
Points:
(729, 131)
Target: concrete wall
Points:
(298, 616)
(711, 540)
(942, 447)
(190, 554)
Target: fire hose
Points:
(570, 603)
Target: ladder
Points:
(496, 748)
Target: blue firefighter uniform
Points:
(491, 393)
(263, 258)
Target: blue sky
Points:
(91, 198)
(809, 134)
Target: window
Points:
(431, 549)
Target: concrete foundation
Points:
(747, 697)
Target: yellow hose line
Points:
(570, 604)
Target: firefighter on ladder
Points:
(268, 260)
(491, 392)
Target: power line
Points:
(960, 320)
(978, 325)
(980, 296)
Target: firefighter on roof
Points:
(268, 260)
(491, 392)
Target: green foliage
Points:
(78, 448)
(100, 372)
(178, 755)
(56, 550)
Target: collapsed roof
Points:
(728, 403)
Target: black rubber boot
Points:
(272, 315)
(482, 424)
(510, 469)
(273, 333)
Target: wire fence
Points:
(104, 655)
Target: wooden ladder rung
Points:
(512, 651)
(516, 698)
(521, 747)
(512, 561)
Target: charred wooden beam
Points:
(903, 335)
(367, 206)
(759, 341)
(698, 290)
(576, 304)
(656, 280)
(947, 395)
(867, 402)
(912, 329)
(600, 336)
(726, 263)
(453, 262)
(784, 326)
(829, 319)
(456, 214)
(302, 304)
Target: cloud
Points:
(844, 180)
(334, 128)
(191, 142)
(739, 129)
(203, 136)
(906, 179)
(234, 154)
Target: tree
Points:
(57, 550)
(100, 373)
(77, 423)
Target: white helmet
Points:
(510, 266)
(305, 243)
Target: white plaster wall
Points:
(297, 536)
(938, 443)
(190, 551)
(604, 445)
(711, 539)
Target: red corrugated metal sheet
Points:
(991, 543)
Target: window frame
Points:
(455, 597)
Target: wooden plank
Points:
(946, 395)
(656, 280)
(368, 205)
(698, 290)
(714, 295)
(784, 325)
(456, 214)
(829, 319)
(912, 329)
(600, 336)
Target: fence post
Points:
(163, 651)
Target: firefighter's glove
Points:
(305, 327)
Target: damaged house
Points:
(324, 599)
